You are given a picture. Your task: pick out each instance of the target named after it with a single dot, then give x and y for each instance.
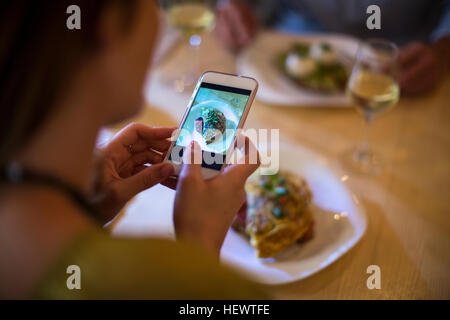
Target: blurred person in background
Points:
(420, 27)
(58, 87)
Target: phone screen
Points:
(212, 122)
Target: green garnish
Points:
(301, 49)
(325, 47)
(277, 212)
(281, 191)
(327, 77)
(281, 180)
(266, 184)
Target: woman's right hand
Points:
(204, 209)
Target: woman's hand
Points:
(204, 209)
(123, 168)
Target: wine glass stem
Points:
(365, 147)
(194, 46)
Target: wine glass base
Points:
(362, 161)
(180, 83)
(185, 83)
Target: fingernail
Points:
(166, 170)
(194, 144)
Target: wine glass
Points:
(372, 88)
(192, 18)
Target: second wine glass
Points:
(372, 88)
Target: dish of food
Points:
(313, 66)
(277, 213)
(211, 124)
(339, 222)
(279, 88)
(208, 122)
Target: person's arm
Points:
(443, 28)
(424, 65)
(441, 36)
(442, 49)
(239, 21)
(265, 10)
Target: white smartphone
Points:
(217, 109)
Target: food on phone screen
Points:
(214, 117)
(277, 213)
(211, 125)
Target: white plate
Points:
(277, 89)
(150, 214)
(339, 224)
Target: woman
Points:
(57, 88)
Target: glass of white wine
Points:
(192, 18)
(372, 88)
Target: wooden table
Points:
(408, 233)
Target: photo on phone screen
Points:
(212, 122)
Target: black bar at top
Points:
(225, 88)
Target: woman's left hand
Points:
(130, 163)
(423, 66)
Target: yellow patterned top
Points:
(126, 268)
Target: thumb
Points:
(192, 160)
(143, 180)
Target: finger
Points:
(426, 83)
(192, 160)
(246, 165)
(148, 156)
(249, 18)
(248, 149)
(170, 182)
(139, 159)
(138, 169)
(119, 147)
(142, 145)
(238, 27)
(134, 132)
(152, 175)
(415, 72)
(224, 32)
(411, 52)
(160, 145)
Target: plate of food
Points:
(295, 223)
(300, 70)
